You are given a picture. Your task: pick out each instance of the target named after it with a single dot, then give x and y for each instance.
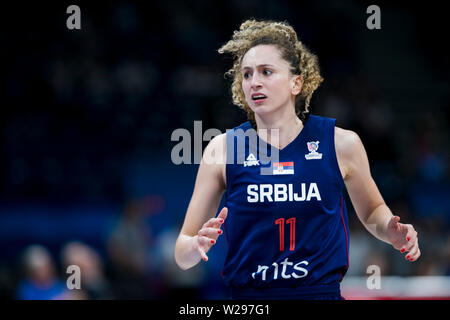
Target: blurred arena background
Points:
(86, 122)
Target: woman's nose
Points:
(256, 81)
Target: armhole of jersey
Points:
(333, 154)
(228, 162)
(231, 157)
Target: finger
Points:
(407, 247)
(393, 223)
(223, 214)
(411, 240)
(202, 254)
(212, 233)
(206, 242)
(220, 219)
(213, 223)
(411, 235)
(411, 255)
(414, 254)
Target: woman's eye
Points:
(246, 75)
(267, 72)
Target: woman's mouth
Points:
(258, 98)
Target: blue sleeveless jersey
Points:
(287, 227)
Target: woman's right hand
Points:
(208, 234)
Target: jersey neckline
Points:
(290, 145)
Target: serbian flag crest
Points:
(283, 167)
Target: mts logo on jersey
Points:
(282, 192)
(288, 270)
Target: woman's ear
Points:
(297, 84)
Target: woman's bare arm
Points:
(200, 229)
(369, 205)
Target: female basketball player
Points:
(287, 229)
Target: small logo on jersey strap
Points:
(251, 161)
(283, 167)
(312, 148)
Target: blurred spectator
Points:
(7, 285)
(360, 246)
(446, 256)
(181, 284)
(41, 281)
(428, 266)
(94, 284)
(379, 258)
(128, 249)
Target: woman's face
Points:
(267, 81)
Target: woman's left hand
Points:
(403, 237)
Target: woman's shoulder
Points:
(345, 136)
(350, 150)
(215, 151)
(218, 140)
(346, 141)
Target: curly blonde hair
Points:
(280, 34)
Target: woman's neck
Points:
(279, 130)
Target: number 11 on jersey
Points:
(280, 222)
